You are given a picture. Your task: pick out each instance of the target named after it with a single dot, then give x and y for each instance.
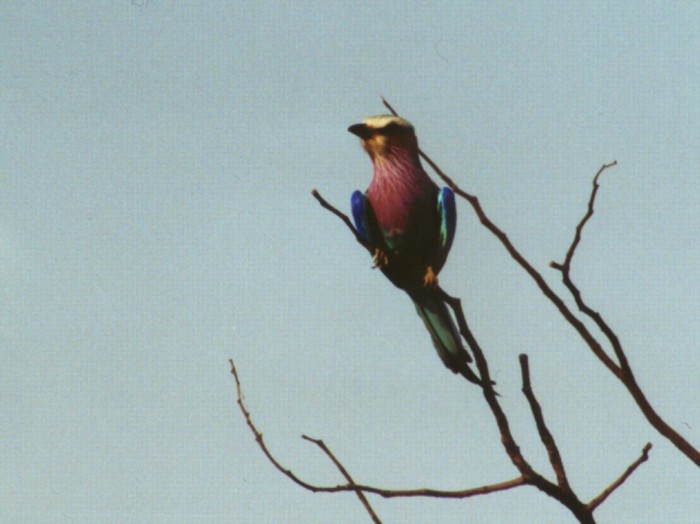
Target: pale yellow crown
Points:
(381, 121)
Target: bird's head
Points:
(385, 136)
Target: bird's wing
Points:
(363, 216)
(448, 220)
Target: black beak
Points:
(361, 130)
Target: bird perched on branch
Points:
(409, 225)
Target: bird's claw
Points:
(430, 279)
(380, 259)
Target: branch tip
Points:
(324, 203)
(545, 435)
(597, 501)
(388, 106)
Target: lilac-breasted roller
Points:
(409, 224)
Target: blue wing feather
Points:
(359, 206)
(448, 218)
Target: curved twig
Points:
(344, 472)
(342, 216)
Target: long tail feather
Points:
(444, 333)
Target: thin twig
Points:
(587, 216)
(259, 437)
(545, 435)
(593, 504)
(347, 476)
(342, 217)
(433, 493)
(565, 269)
(511, 447)
(424, 492)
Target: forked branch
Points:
(359, 489)
(626, 374)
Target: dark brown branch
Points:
(285, 471)
(587, 216)
(565, 269)
(424, 492)
(546, 437)
(593, 504)
(515, 254)
(345, 474)
(624, 374)
(511, 447)
(561, 492)
(259, 436)
(342, 217)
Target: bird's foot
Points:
(380, 259)
(430, 279)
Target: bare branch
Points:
(259, 437)
(593, 504)
(424, 492)
(342, 217)
(626, 375)
(561, 492)
(490, 394)
(546, 437)
(347, 476)
(433, 493)
(351, 486)
(565, 269)
(587, 216)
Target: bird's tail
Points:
(444, 333)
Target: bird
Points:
(408, 223)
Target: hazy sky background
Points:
(156, 220)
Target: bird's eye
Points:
(394, 129)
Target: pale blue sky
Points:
(156, 219)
